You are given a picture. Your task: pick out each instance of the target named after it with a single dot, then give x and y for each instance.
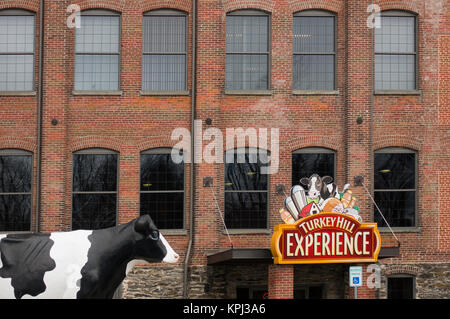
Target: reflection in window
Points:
(247, 50)
(97, 47)
(94, 196)
(308, 161)
(246, 189)
(17, 29)
(15, 190)
(165, 51)
(395, 187)
(314, 50)
(395, 52)
(162, 189)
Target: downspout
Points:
(39, 114)
(192, 164)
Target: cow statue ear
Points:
(327, 179)
(304, 181)
(142, 225)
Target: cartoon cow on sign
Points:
(321, 188)
(78, 264)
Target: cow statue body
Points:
(78, 264)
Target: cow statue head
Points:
(151, 245)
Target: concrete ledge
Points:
(312, 92)
(162, 93)
(248, 92)
(17, 93)
(397, 92)
(97, 93)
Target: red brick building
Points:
(347, 98)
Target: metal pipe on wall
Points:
(39, 114)
(192, 179)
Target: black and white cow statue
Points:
(78, 264)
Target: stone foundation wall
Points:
(220, 282)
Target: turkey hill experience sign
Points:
(326, 237)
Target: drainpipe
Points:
(192, 179)
(39, 114)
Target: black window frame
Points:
(22, 12)
(399, 150)
(251, 13)
(20, 152)
(164, 151)
(96, 151)
(401, 276)
(307, 290)
(316, 13)
(266, 191)
(167, 13)
(100, 13)
(314, 150)
(398, 13)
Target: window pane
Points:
(15, 212)
(313, 34)
(400, 288)
(396, 35)
(245, 210)
(15, 174)
(16, 72)
(164, 34)
(243, 171)
(17, 34)
(395, 171)
(306, 164)
(247, 34)
(93, 211)
(159, 173)
(93, 172)
(395, 72)
(97, 72)
(246, 72)
(313, 72)
(164, 73)
(98, 34)
(397, 207)
(165, 209)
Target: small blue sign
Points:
(355, 276)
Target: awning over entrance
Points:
(264, 255)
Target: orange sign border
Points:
(278, 231)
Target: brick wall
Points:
(131, 123)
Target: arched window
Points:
(246, 189)
(314, 45)
(247, 50)
(17, 38)
(401, 287)
(396, 51)
(395, 181)
(94, 194)
(97, 51)
(162, 188)
(16, 170)
(164, 51)
(313, 160)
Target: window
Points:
(94, 196)
(97, 47)
(247, 47)
(165, 51)
(314, 44)
(246, 189)
(308, 292)
(395, 186)
(395, 52)
(400, 287)
(17, 34)
(162, 189)
(252, 292)
(16, 168)
(312, 160)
